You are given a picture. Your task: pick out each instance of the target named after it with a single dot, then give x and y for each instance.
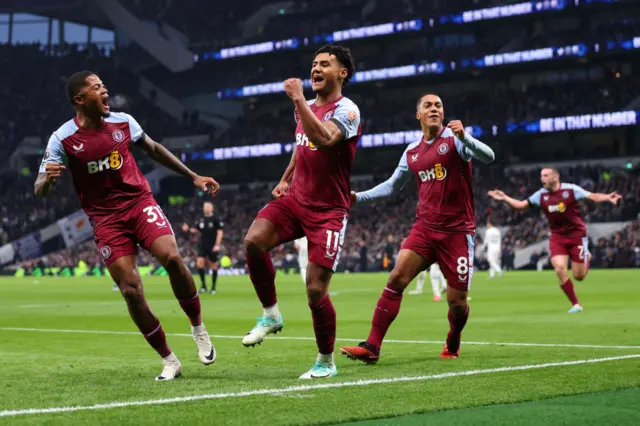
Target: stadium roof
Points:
(79, 11)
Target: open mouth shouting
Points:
(317, 81)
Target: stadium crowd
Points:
(38, 103)
(368, 236)
(215, 25)
(383, 112)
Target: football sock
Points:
(263, 275)
(568, 289)
(326, 358)
(457, 321)
(203, 283)
(191, 307)
(303, 274)
(271, 311)
(214, 279)
(386, 311)
(157, 339)
(324, 324)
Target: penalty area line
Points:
(343, 339)
(305, 388)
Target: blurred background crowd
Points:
(49, 44)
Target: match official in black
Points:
(209, 226)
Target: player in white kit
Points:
(493, 245)
(438, 282)
(303, 257)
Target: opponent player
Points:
(493, 245)
(302, 246)
(445, 224)
(438, 283)
(96, 147)
(210, 228)
(312, 200)
(559, 202)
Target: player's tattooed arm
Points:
(498, 195)
(44, 181)
(162, 155)
(323, 135)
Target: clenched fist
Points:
(293, 87)
(280, 190)
(457, 128)
(53, 171)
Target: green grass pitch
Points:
(524, 360)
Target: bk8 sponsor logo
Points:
(112, 161)
(437, 172)
(557, 208)
(303, 140)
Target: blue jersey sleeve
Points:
(347, 118)
(54, 153)
(134, 128)
(391, 186)
(534, 200)
(464, 153)
(578, 192)
(471, 148)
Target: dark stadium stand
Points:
(483, 98)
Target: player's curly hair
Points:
(75, 84)
(343, 55)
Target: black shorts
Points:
(208, 253)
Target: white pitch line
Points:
(304, 388)
(343, 339)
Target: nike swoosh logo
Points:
(210, 356)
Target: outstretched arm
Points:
(580, 194)
(598, 197)
(162, 155)
(391, 186)
(496, 194)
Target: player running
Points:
(445, 224)
(302, 247)
(312, 200)
(493, 244)
(210, 228)
(438, 283)
(96, 147)
(559, 202)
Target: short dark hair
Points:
(425, 94)
(75, 84)
(343, 55)
(553, 170)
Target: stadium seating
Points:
(238, 208)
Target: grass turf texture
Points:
(58, 369)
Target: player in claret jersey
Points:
(312, 200)
(559, 202)
(445, 223)
(96, 147)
